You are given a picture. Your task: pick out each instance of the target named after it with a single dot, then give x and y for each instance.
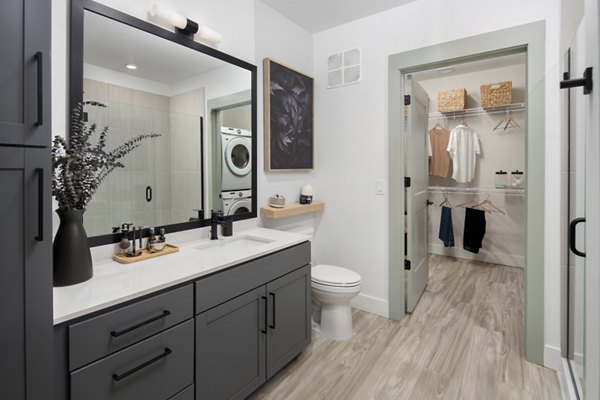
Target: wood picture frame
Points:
(289, 118)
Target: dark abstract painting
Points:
(288, 118)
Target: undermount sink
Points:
(234, 244)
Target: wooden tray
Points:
(146, 255)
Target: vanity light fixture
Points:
(186, 26)
(132, 67)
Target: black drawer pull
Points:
(148, 194)
(272, 326)
(136, 326)
(40, 175)
(39, 57)
(573, 236)
(124, 375)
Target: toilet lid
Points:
(334, 276)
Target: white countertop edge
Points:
(281, 241)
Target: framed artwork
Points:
(289, 111)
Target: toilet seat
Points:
(331, 276)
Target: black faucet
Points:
(216, 219)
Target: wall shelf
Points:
(471, 112)
(291, 209)
(477, 190)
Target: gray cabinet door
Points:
(25, 72)
(230, 348)
(25, 274)
(288, 318)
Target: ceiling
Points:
(319, 15)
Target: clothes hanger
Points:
(488, 201)
(446, 201)
(511, 123)
(474, 203)
(502, 121)
(437, 125)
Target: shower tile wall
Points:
(169, 164)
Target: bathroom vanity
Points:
(213, 321)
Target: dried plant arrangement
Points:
(78, 166)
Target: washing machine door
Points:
(240, 207)
(237, 156)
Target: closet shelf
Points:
(472, 112)
(481, 190)
(291, 209)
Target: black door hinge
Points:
(407, 265)
(406, 181)
(407, 99)
(586, 81)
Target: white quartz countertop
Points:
(115, 283)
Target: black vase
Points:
(71, 251)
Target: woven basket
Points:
(452, 100)
(496, 94)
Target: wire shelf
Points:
(473, 112)
(480, 190)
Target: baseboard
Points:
(552, 357)
(483, 255)
(373, 305)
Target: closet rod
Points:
(482, 190)
(472, 112)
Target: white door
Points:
(416, 193)
(592, 199)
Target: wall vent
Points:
(344, 68)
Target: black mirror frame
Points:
(78, 7)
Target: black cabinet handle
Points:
(573, 236)
(118, 377)
(136, 326)
(40, 176)
(272, 295)
(39, 58)
(148, 194)
(264, 330)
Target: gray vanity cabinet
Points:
(244, 341)
(289, 312)
(25, 72)
(25, 274)
(230, 348)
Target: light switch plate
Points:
(380, 187)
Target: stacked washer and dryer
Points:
(236, 170)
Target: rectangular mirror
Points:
(202, 103)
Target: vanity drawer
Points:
(154, 369)
(97, 337)
(223, 286)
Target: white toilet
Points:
(332, 289)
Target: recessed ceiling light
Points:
(445, 70)
(131, 66)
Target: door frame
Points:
(528, 38)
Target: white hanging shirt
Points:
(463, 147)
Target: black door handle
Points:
(118, 377)
(272, 295)
(429, 203)
(136, 326)
(264, 330)
(573, 236)
(148, 194)
(586, 81)
(40, 229)
(39, 58)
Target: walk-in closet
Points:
(475, 148)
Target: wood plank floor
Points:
(464, 341)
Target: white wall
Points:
(351, 132)
(282, 40)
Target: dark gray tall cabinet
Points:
(25, 202)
